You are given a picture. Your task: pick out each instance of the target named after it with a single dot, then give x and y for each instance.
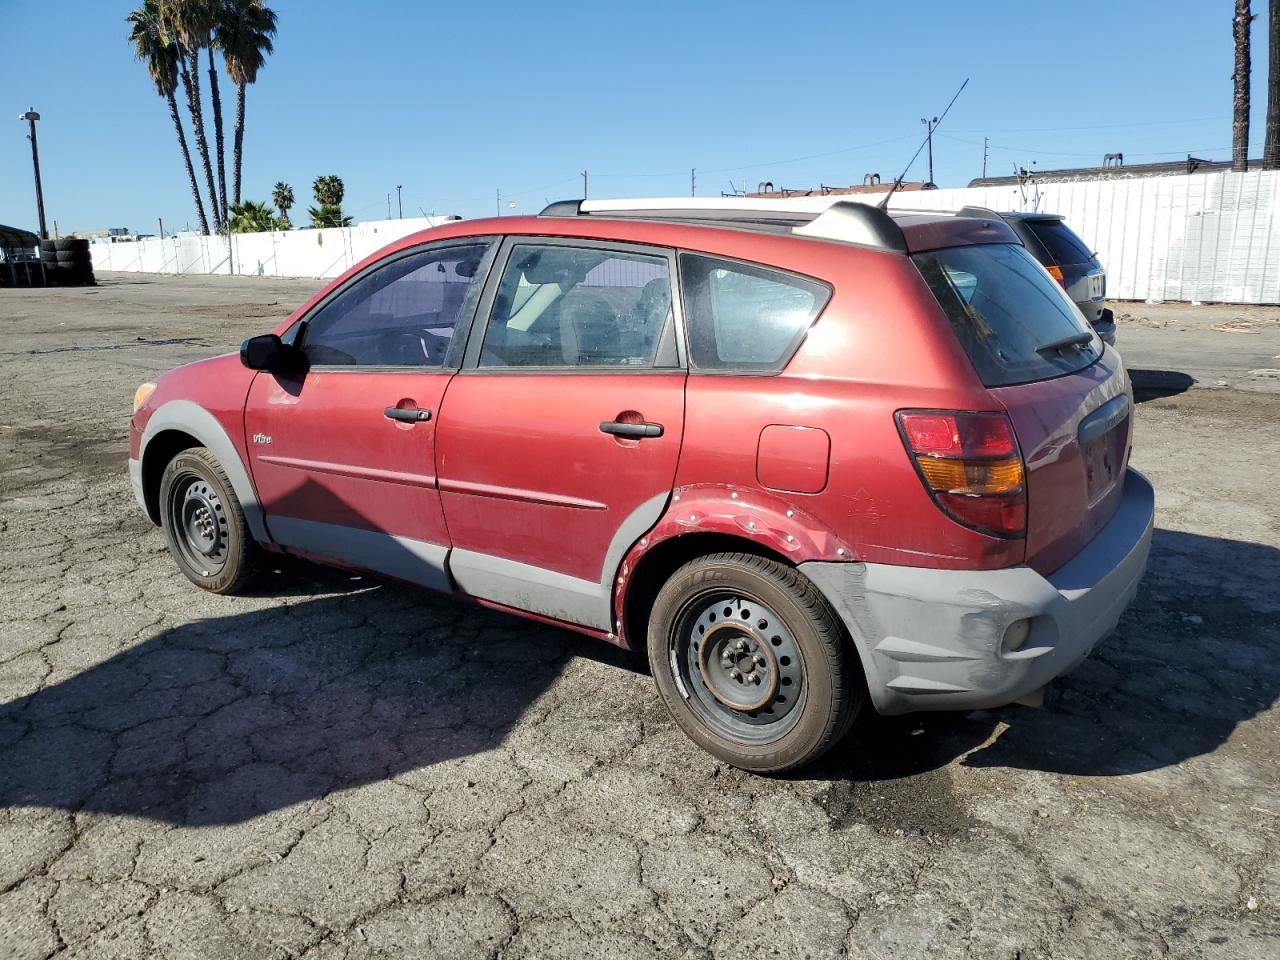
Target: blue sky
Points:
(456, 100)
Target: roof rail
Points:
(824, 218)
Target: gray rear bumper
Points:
(934, 639)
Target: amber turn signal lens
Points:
(142, 394)
(1055, 271)
(975, 478)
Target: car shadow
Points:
(1192, 658)
(1154, 384)
(322, 679)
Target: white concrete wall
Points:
(290, 253)
(1211, 237)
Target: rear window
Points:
(1061, 241)
(1008, 313)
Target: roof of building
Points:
(16, 237)
(784, 193)
(1118, 171)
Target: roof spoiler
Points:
(844, 221)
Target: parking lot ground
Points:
(335, 767)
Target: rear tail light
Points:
(1055, 271)
(971, 466)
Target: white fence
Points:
(290, 253)
(1212, 237)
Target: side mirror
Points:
(267, 352)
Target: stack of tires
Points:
(67, 262)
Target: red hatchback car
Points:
(808, 457)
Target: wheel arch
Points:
(164, 446)
(179, 425)
(710, 518)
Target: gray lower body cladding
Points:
(935, 639)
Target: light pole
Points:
(929, 125)
(399, 203)
(31, 117)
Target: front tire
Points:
(752, 662)
(204, 524)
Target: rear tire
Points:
(204, 524)
(752, 662)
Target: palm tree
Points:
(329, 190)
(282, 197)
(328, 215)
(190, 24)
(1271, 145)
(243, 33)
(160, 55)
(252, 216)
(1240, 102)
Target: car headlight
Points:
(141, 395)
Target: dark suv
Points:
(1048, 238)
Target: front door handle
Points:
(407, 415)
(619, 429)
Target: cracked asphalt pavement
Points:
(336, 767)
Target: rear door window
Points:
(743, 317)
(1061, 241)
(1016, 324)
(562, 306)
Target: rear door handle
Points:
(409, 415)
(618, 429)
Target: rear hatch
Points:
(1067, 397)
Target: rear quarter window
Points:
(1061, 241)
(1006, 311)
(742, 317)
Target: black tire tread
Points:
(841, 661)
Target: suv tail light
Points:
(971, 466)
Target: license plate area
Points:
(1104, 460)
(1104, 439)
(1097, 285)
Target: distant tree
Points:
(282, 197)
(1240, 102)
(329, 190)
(328, 215)
(1271, 146)
(243, 32)
(252, 216)
(161, 56)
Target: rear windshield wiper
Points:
(1074, 340)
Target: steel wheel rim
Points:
(199, 524)
(737, 666)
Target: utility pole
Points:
(984, 156)
(31, 117)
(160, 221)
(693, 181)
(929, 125)
(399, 202)
(498, 193)
(584, 184)
(388, 206)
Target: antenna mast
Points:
(897, 182)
